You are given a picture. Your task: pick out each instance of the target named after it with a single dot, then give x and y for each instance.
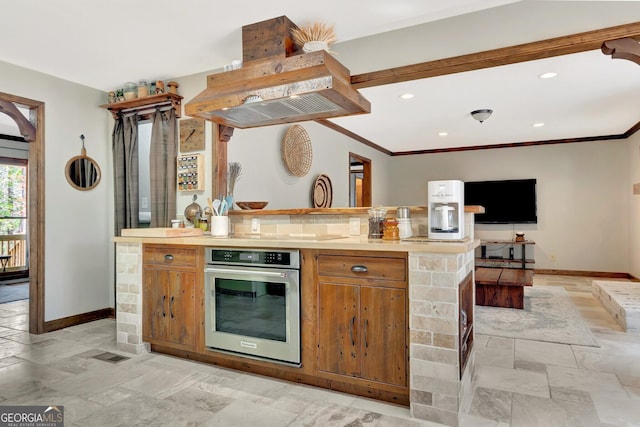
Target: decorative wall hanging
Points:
(191, 135)
(322, 192)
(297, 152)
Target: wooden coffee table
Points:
(502, 287)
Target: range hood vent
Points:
(279, 109)
(277, 84)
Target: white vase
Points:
(314, 46)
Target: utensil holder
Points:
(219, 226)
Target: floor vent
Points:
(110, 357)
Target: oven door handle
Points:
(245, 272)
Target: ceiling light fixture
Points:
(548, 75)
(538, 125)
(406, 96)
(443, 134)
(481, 115)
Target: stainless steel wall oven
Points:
(252, 302)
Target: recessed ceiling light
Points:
(443, 134)
(537, 125)
(406, 96)
(549, 75)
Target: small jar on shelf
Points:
(143, 89)
(130, 91)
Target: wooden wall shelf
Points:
(146, 103)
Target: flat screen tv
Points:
(505, 202)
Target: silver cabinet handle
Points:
(246, 272)
(359, 269)
(168, 257)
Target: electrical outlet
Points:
(144, 202)
(354, 226)
(553, 258)
(255, 225)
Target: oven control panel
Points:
(255, 257)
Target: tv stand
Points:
(486, 260)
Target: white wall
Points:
(78, 249)
(634, 205)
(264, 176)
(582, 197)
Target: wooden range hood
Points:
(277, 84)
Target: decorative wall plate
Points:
(296, 151)
(322, 192)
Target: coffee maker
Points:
(446, 210)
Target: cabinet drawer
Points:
(170, 255)
(363, 267)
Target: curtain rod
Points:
(162, 106)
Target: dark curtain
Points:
(125, 165)
(162, 166)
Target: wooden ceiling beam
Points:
(564, 45)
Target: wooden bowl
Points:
(251, 205)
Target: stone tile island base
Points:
(438, 393)
(129, 298)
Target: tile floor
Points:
(519, 383)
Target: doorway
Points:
(28, 116)
(359, 181)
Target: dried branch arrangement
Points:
(234, 170)
(316, 32)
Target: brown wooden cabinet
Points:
(170, 307)
(362, 327)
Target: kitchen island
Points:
(439, 338)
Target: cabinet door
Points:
(181, 315)
(155, 296)
(384, 334)
(338, 329)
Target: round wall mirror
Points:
(82, 172)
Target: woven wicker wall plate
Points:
(296, 151)
(322, 192)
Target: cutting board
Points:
(161, 232)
